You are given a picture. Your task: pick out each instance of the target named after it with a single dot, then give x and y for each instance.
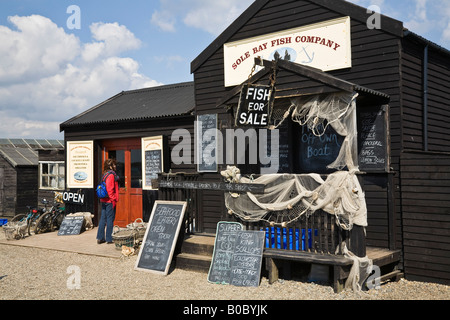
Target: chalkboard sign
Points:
(316, 152)
(247, 258)
(71, 226)
(206, 143)
(153, 161)
(237, 255)
(220, 269)
(284, 145)
(153, 165)
(372, 139)
(161, 236)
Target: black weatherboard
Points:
(71, 226)
(161, 236)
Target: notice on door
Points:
(152, 160)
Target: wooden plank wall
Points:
(9, 182)
(438, 102)
(376, 61)
(425, 184)
(27, 188)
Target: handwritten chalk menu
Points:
(161, 236)
(226, 235)
(284, 144)
(247, 258)
(152, 160)
(71, 226)
(316, 150)
(237, 256)
(372, 139)
(207, 143)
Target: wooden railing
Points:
(317, 233)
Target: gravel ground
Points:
(35, 274)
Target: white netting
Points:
(298, 194)
(337, 110)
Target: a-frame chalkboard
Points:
(160, 237)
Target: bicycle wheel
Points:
(58, 220)
(43, 223)
(18, 217)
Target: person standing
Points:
(108, 213)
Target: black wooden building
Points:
(408, 203)
(19, 173)
(399, 76)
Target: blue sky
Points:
(50, 71)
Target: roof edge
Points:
(343, 7)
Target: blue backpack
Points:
(101, 188)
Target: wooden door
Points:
(127, 153)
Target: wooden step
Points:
(199, 245)
(193, 262)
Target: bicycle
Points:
(28, 220)
(50, 220)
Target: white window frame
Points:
(58, 175)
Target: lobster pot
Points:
(139, 226)
(123, 237)
(15, 230)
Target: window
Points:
(51, 175)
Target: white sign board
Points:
(80, 168)
(325, 45)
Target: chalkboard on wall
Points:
(161, 236)
(71, 226)
(372, 139)
(206, 144)
(220, 269)
(317, 150)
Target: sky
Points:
(59, 58)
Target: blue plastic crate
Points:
(3, 222)
(294, 238)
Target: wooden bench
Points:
(340, 264)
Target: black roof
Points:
(142, 104)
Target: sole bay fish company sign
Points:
(325, 45)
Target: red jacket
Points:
(112, 187)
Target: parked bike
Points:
(50, 220)
(28, 220)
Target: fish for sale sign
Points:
(255, 106)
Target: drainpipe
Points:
(425, 98)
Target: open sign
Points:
(73, 197)
(255, 106)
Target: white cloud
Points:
(210, 16)
(47, 76)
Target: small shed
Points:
(135, 128)
(19, 173)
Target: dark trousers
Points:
(106, 221)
